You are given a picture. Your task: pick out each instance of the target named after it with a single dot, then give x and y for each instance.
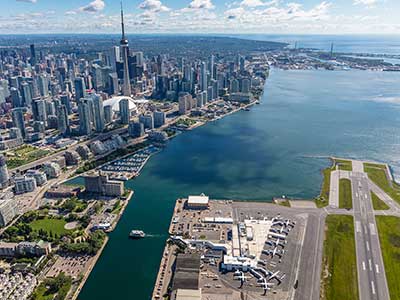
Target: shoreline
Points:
(93, 263)
(99, 253)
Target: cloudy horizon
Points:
(202, 16)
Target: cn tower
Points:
(126, 87)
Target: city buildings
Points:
(4, 176)
(8, 208)
(24, 184)
(136, 129)
(98, 183)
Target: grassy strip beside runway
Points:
(377, 203)
(339, 265)
(378, 175)
(389, 236)
(345, 165)
(345, 198)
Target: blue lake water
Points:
(274, 149)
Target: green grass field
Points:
(339, 268)
(345, 198)
(345, 165)
(370, 165)
(323, 199)
(377, 203)
(55, 226)
(24, 155)
(378, 175)
(389, 236)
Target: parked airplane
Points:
(275, 276)
(276, 243)
(274, 252)
(280, 231)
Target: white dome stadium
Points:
(114, 103)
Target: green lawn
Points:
(389, 235)
(56, 226)
(378, 175)
(323, 199)
(345, 198)
(41, 293)
(370, 165)
(377, 203)
(24, 155)
(345, 165)
(53, 288)
(339, 268)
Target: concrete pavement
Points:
(371, 272)
(334, 189)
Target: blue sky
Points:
(201, 16)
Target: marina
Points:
(129, 167)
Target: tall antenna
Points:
(122, 22)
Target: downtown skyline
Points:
(201, 16)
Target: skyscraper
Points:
(126, 88)
(18, 120)
(98, 108)
(203, 77)
(212, 58)
(124, 111)
(85, 127)
(4, 177)
(63, 122)
(80, 88)
(33, 55)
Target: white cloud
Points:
(368, 3)
(94, 6)
(257, 3)
(153, 5)
(201, 4)
(28, 1)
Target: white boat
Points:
(137, 234)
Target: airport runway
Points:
(311, 259)
(371, 273)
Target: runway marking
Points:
(370, 265)
(373, 287)
(377, 268)
(367, 246)
(366, 197)
(358, 226)
(363, 264)
(372, 228)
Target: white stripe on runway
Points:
(367, 246)
(358, 226)
(372, 228)
(370, 265)
(363, 263)
(377, 268)
(373, 287)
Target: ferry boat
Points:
(137, 234)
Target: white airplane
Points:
(280, 231)
(289, 223)
(276, 243)
(242, 279)
(265, 285)
(274, 252)
(275, 276)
